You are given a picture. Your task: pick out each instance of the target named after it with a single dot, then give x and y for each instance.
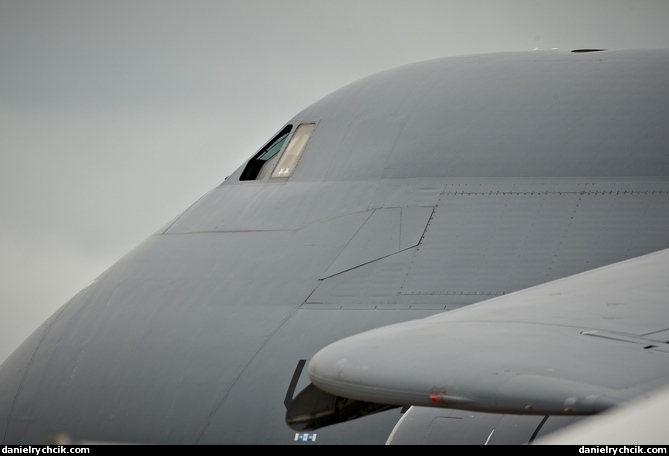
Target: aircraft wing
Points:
(575, 346)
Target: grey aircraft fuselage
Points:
(412, 192)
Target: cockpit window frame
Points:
(292, 153)
(292, 141)
(259, 166)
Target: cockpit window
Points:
(261, 164)
(293, 151)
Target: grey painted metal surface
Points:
(422, 189)
(575, 346)
(636, 422)
(439, 426)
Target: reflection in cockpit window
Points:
(293, 151)
(261, 164)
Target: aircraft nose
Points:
(13, 373)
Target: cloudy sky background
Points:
(117, 115)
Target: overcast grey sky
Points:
(117, 115)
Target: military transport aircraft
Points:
(463, 250)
